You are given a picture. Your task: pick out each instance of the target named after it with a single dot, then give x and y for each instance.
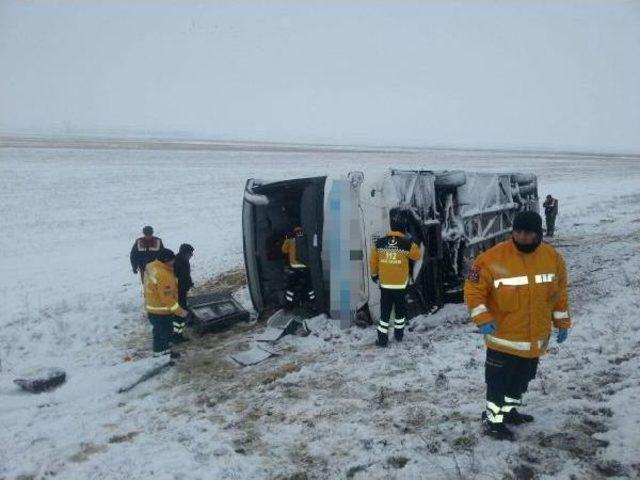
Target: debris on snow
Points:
(155, 367)
(259, 352)
(216, 311)
(41, 379)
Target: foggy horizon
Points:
(489, 75)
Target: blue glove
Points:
(563, 333)
(487, 328)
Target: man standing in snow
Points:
(389, 267)
(298, 276)
(550, 212)
(515, 292)
(145, 249)
(182, 270)
(161, 301)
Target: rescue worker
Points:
(298, 275)
(550, 212)
(515, 292)
(145, 249)
(182, 270)
(389, 267)
(161, 301)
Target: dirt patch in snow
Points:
(225, 283)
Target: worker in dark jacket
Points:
(182, 270)
(145, 250)
(298, 275)
(389, 267)
(550, 212)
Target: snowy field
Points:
(332, 405)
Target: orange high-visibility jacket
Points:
(389, 260)
(161, 290)
(289, 249)
(522, 293)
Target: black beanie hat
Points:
(147, 230)
(397, 219)
(528, 221)
(166, 255)
(186, 248)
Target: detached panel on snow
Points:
(216, 311)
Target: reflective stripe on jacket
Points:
(144, 251)
(161, 290)
(524, 294)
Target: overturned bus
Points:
(451, 215)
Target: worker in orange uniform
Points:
(161, 302)
(515, 292)
(389, 267)
(298, 275)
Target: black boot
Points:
(179, 338)
(383, 339)
(398, 334)
(497, 431)
(174, 355)
(514, 417)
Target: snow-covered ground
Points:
(332, 405)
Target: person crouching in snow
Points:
(515, 292)
(161, 302)
(389, 267)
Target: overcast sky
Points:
(563, 75)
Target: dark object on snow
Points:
(215, 311)
(152, 372)
(42, 380)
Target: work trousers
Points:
(299, 285)
(162, 331)
(179, 322)
(392, 299)
(182, 297)
(550, 220)
(507, 377)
